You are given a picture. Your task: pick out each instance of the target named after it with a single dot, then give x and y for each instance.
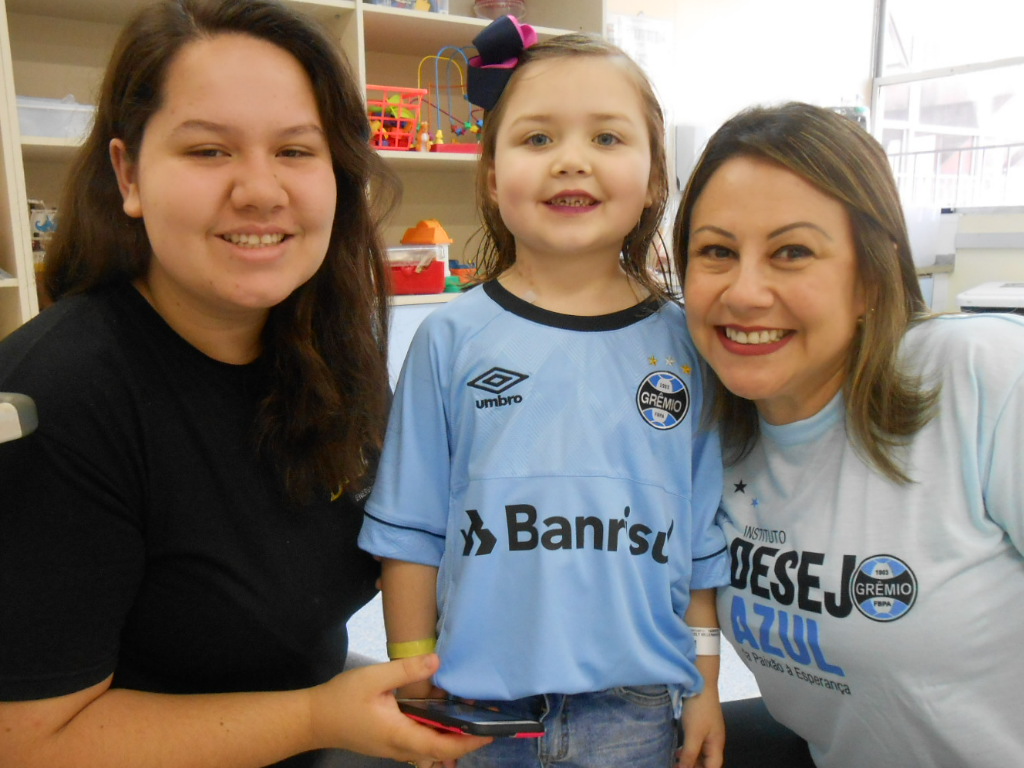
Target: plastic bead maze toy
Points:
(465, 121)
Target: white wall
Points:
(730, 54)
(989, 248)
(726, 55)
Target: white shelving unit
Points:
(52, 48)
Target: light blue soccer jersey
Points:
(883, 622)
(553, 467)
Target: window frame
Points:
(880, 82)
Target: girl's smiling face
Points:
(572, 166)
(234, 181)
(772, 288)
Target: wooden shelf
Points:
(425, 298)
(441, 162)
(42, 149)
(417, 33)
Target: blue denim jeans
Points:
(618, 728)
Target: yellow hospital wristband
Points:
(411, 648)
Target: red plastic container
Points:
(406, 280)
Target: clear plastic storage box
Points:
(54, 118)
(418, 268)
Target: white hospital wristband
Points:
(708, 640)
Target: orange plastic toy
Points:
(426, 232)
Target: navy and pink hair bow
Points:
(499, 46)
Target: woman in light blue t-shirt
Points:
(872, 498)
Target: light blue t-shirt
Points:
(883, 622)
(554, 468)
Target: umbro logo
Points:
(498, 381)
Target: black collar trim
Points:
(613, 322)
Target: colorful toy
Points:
(463, 272)
(420, 264)
(394, 115)
(443, 91)
(394, 112)
(423, 139)
(426, 232)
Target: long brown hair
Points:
(497, 249)
(884, 404)
(326, 344)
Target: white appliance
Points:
(993, 297)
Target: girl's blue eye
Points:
(606, 139)
(538, 140)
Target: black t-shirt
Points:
(140, 536)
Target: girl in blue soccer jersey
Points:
(546, 501)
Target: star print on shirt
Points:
(739, 487)
(652, 360)
(687, 369)
(670, 361)
(755, 503)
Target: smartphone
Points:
(457, 716)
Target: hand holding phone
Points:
(460, 717)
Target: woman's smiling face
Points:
(234, 181)
(772, 289)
